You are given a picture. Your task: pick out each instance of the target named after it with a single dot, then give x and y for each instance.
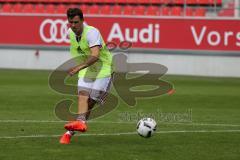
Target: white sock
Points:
(71, 133)
(83, 121)
(81, 117)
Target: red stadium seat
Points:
(62, 1)
(165, 11)
(94, 9)
(122, 1)
(7, 7)
(84, 8)
(28, 8)
(153, 11)
(74, 6)
(106, 9)
(139, 10)
(96, 1)
(191, 2)
(219, 2)
(166, 1)
(203, 2)
(17, 8)
(231, 5)
(61, 9)
(226, 12)
(117, 9)
(132, 2)
(201, 12)
(189, 11)
(155, 1)
(85, 1)
(39, 8)
(128, 10)
(49, 1)
(81, 1)
(100, 1)
(50, 8)
(176, 11)
(178, 1)
(108, 1)
(144, 1)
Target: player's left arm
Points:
(95, 50)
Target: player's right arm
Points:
(94, 42)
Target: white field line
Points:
(120, 134)
(119, 122)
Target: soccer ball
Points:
(146, 127)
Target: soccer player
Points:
(94, 69)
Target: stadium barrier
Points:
(144, 33)
(205, 47)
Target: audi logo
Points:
(54, 31)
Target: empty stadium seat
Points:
(189, 11)
(191, 2)
(106, 9)
(228, 10)
(155, 1)
(139, 10)
(166, 1)
(80, 1)
(62, 1)
(165, 11)
(206, 2)
(219, 2)
(50, 8)
(108, 1)
(153, 11)
(132, 1)
(50, 1)
(95, 1)
(144, 1)
(200, 12)
(28, 8)
(84, 8)
(17, 8)
(128, 10)
(117, 9)
(226, 13)
(121, 1)
(39, 8)
(178, 1)
(231, 5)
(101, 1)
(94, 9)
(213, 2)
(74, 6)
(6, 7)
(176, 11)
(61, 9)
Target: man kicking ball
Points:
(94, 69)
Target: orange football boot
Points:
(65, 139)
(76, 126)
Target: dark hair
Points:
(72, 12)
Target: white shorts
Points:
(97, 89)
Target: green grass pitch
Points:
(200, 121)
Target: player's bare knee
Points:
(84, 95)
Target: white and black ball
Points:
(146, 127)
